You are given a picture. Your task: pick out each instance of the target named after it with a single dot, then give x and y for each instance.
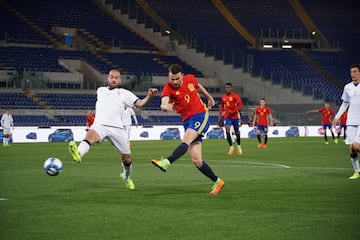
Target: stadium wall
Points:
(19, 133)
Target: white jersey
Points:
(351, 95)
(110, 106)
(127, 115)
(7, 121)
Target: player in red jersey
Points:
(231, 106)
(182, 94)
(90, 117)
(326, 113)
(343, 119)
(262, 120)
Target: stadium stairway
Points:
(30, 94)
(209, 66)
(312, 62)
(301, 12)
(234, 22)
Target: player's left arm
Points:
(134, 117)
(271, 123)
(11, 122)
(312, 111)
(203, 91)
(343, 107)
(239, 104)
(255, 118)
(150, 94)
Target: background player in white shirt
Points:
(7, 122)
(108, 124)
(127, 117)
(351, 100)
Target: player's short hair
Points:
(115, 70)
(228, 84)
(355, 66)
(175, 68)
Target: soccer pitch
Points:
(297, 188)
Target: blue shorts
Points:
(233, 122)
(262, 128)
(199, 122)
(329, 126)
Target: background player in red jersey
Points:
(182, 94)
(90, 117)
(262, 120)
(231, 105)
(342, 127)
(326, 113)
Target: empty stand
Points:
(199, 22)
(285, 67)
(81, 14)
(15, 31)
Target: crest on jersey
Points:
(191, 87)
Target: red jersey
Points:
(262, 115)
(325, 115)
(230, 103)
(343, 118)
(90, 120)
(186, 98)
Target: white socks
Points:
(355, 163)
(83, 148)
(127, 169)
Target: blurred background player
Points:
(7, 123)
(351, 102)
(342, 127)
(326, 113)
(231, 105)
(182, 94)
(90, 116)
(127, 117)
(262, 120)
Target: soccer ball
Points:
(52, 166)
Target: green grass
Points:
(297, 188)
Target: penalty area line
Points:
(253, 163)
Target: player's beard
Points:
(176, 85)
(113, 85)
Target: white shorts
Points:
(117, 136)
(7, 131)
(128, 128)
(352, 134)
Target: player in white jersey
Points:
(108, 124)
(7, 122)
(351, 101)
(127, 117)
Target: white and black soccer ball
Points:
(53, 166)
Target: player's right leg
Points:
(231, 150)
(218, 185)
(229, 140)
(163, 164)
